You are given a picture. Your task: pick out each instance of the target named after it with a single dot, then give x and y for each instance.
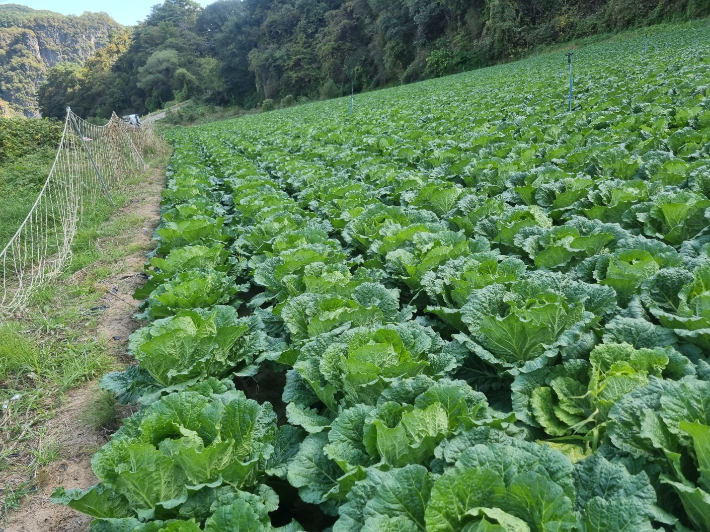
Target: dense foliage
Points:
(245, 52)
(19, 137)
(481, 312)
(27, 151)
(32, 41)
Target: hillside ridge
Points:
(32, 41)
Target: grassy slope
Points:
(21, 179)
(27, 151)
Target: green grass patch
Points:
(21, 179)
(103, 413)
(17, 352)
(13, 497)
(27, 359)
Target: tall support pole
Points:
(88, 151)
(352, 96)
(571, 81)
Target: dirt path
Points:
(161, 114)
(78, 441)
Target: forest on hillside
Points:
(242, 52)
(32, 41)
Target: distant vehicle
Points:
(133, 120)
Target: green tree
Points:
(157, 76)
(244, 51)
(60, 90)
(231, 29)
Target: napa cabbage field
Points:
(469, 309)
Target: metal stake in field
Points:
(352, 73)
(571, 81)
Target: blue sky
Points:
(126, 12)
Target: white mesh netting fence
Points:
(91, 162)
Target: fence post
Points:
(571, 82)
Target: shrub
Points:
(439, 63)
(329, 90)
(22, 136)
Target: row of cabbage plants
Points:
(473, 311)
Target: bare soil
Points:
(78, 441)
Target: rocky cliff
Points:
(32, 41)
